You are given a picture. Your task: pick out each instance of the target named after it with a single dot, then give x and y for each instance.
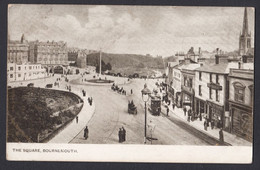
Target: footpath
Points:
(74, 128)
(199, 125)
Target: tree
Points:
(109, 67)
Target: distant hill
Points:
(128, 63)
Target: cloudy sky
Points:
(156, 30)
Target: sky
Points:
(155, 30)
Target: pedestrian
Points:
(169, 102)
(86, 133)
(221, 136)
(189, 115)
(184, 110)
(212, 124)
(120, 135)
(123, 134)
(205, 125)
(77, 119)
(173, 105)
(167, 110)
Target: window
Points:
(190, 82)
(217, 96)
(217, 79)
(19, 68)
(185, 81)
(30, 67)
(200, 75)
(210, 77)
(210, 93)
(239, 92)
(11, 75)
(19, 75)
(200, 90)
(11, 68)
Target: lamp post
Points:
(145, 96)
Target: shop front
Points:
(178, 99)
(215, 114)
(187, 99)
(241, 121)
(200, 107)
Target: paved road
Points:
(111, 114)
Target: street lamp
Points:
(145, 96)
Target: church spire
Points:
(245, 24)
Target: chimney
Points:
(199, 50)
(187, 60)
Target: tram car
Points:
(155, 106)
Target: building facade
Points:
(18, 51)
(188, 84)
(212, 93)
(49, 53)
(25, 71)
(241, 99)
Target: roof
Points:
(222, 68)
(190, 66)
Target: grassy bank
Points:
(35, 113)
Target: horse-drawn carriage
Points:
(132, 109)
(155, 106)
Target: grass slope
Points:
(30, 112)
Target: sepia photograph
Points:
(89, 82)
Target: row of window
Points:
(210, 77)
(30, 67)
(19, 75)
(210, 93)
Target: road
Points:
(111, 114)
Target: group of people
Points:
(90, 101)
(118, 89)
(191, 114)
(68, 87)
(122, 134)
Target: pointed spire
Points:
(245, 24)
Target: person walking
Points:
(77, 119)
(212, 124)
(131, 91)
(120, 135)
(173, 105)
(205, 125)
(167, 110)
(184, 110)
(221, 136)
(189, 115)
(123, 134)
(86, 133)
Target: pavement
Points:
(74, 128)
(199, 125)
